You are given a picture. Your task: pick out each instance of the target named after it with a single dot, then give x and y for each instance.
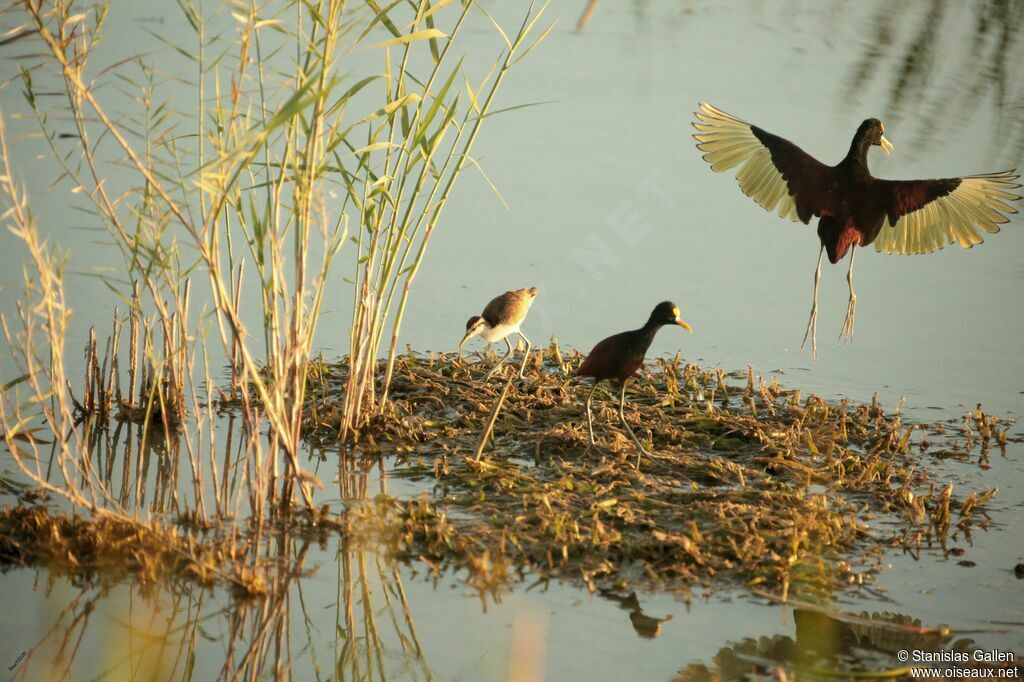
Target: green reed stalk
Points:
(246, 179)
(401, 207)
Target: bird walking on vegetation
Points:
(853, 207)
(500, 319)
(620, 356)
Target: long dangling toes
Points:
(812, 334)
(846, 335)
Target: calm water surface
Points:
(611, 211)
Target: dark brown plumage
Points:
(500, 318)
(620, 356)
(854, 208)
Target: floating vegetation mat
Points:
(749, 481)
(109, 548)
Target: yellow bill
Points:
(886, 145)
(675, 311)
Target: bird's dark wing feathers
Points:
(493, 311)
(508, 308)
(926, 215)
(906, 196)
(596, 359)
(618, 355)
(802, 172)
(774, 172)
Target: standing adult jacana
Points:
(501, 318)
(620, 356)
(854, 208)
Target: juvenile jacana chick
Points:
(501, 318)
(854, 208)
(620, 356)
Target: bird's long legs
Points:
(851, 309)
(812, 322)
(590, 417)
(503, 359)
(526, 355)
(622, 417)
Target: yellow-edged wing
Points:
(774, 172)
(926, 215)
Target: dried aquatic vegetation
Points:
(750, 481)
(109, 548)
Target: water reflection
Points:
(825, 645)
(645, 626)
(369, 633)
(165, 634)
(128, 456)
(157, 471)
(373, 609)
(134, 632)
(907, 49)
(937, 61)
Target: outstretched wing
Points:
(926, 215)
(775, 172)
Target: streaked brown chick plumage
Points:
(510, 308)
(501, 318)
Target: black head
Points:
(872, 133)
(664, 313)
(471, 322)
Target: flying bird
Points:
(500, 319)
(853, 207)
(620, 356)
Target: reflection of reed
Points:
(130, 461)
(68, 626)
(145, 471)
(937, 60)
(258, 643)
(148, 640)
(214, 470)
(139, 468)
(373, 615)
(364, 582)
(938, 94)
(163, 638)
